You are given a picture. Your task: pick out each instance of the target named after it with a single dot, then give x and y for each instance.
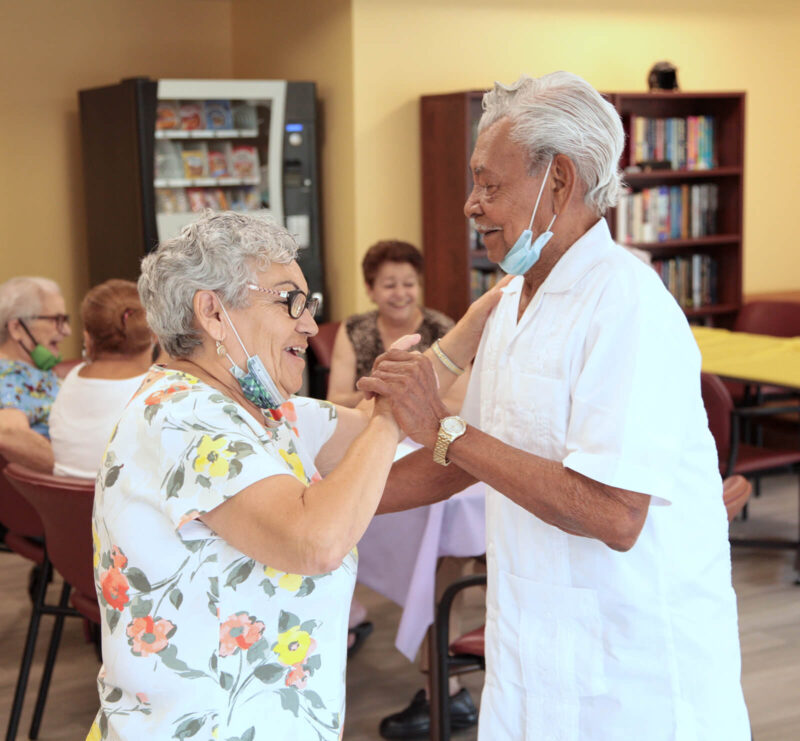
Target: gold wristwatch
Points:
(450, 428)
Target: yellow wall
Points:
(372, 59)
(50, 49)
(405, 48)
(312, 40)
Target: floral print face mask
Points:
(257, 384)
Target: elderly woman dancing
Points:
(224, 561)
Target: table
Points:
(753, 359)
(750, 358)
(399, 552)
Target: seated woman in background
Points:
(118, 347)
(33, 323)
(224, 561)
(392, 271)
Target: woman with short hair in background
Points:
(33, 323)
(118, 347)
(392, 271)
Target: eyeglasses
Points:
(61, 320)
(297, 300)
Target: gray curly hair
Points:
(221, 252)
(21, 298)
(561, 113)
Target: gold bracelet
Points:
(444, 360)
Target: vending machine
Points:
(158, 153)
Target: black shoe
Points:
(415, 720)
(361, 632)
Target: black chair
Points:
(463, 655)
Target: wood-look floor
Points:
(380, 680)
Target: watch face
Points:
(453, 425)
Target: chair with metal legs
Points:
(465, 654)
(64, 507)
(24, 535)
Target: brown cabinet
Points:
(456, 267)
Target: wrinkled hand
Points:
(407, 380)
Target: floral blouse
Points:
(25, 387)
(200, 641)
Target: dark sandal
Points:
(361, 632)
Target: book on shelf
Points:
(184, 200)
(691, 279)
(686, 143)
(663, 213)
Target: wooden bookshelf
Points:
(724, 172)
(447, 127)
(454, 255)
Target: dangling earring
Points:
(221, 348)
(84, 354)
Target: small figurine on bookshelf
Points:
(663, 76)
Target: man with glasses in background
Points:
(33, 323)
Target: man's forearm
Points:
(555, 494)
(415, 480)
(28, 448)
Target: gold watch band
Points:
(440, 449)
(450, 429)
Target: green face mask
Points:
(42, 358)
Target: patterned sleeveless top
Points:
(362, 330)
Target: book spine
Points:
(694, 220)
(697, 282)
(675, 216)
(637, 216)
(663, 213)
(659, 140)
(691, 142)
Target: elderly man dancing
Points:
(610, 610)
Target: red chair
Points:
(25, 531)
(321, 346)
(741, 458)
(774, 318)
(64, 508)
(724, 421)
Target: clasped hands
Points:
(407, 382)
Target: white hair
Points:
(221, 252)
(22, 298)
(561, 113)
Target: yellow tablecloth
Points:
(756, 358)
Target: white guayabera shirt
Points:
(584, 643)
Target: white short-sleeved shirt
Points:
(585, 643)
(83, 415)
(199, 640)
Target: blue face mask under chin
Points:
(256, 383)
(524, 255)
